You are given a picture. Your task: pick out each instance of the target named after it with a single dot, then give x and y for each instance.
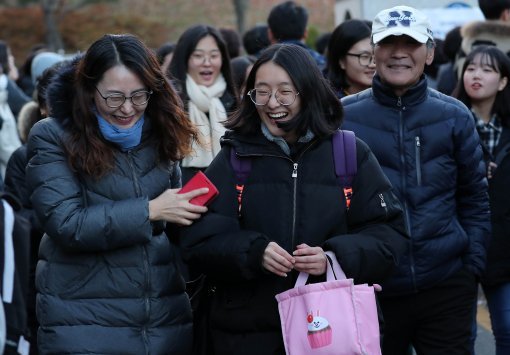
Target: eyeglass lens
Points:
(140, 98)
(262, 97)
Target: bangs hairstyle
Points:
(499, 61)
(321, 111)
(171, 129)
(186, 45)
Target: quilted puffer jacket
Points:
(428, 147)
(107, 279)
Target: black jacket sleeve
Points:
(376, 228)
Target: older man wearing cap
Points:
(427, 144)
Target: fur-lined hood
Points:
(60, 92)
(27, 117)
(489, 32)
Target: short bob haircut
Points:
(184, 48)
(499, 61)
(345, 35)
(321, 111)
(171, 129)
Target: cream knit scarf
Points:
(206, 99)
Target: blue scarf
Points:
(126, 138)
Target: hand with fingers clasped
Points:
(311, 260)
(173, 207)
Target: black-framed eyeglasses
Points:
(364, 59)
(261, 97)
(139, 98)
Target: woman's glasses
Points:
(139, 98)
(261, 97)
(364, 59)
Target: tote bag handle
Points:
(333, 271)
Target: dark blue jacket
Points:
(428, 147)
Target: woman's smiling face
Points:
(270, 77)
(120, 80)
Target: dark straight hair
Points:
(345, 35)
(499, 61)
(321, 111)
(184, 48)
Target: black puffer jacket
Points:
(106, 277)
(309, 208)
(498, 255)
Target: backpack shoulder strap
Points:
(344, 152)
(242, 169)
(346, 164)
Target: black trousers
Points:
(435, 321)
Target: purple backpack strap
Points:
(242, 169)
(241, 166)
(344, 152)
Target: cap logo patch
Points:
(404, 19)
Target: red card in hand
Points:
(198, 181)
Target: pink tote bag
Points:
(332, 317)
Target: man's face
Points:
(400, 61)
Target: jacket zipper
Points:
(294, 203)
(383, 205)
(418, 159)
(145, 258)
(404, 185)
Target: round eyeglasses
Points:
(261, 97)
(139, 98)
(364, 59)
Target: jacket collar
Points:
(387, 97)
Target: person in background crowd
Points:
(495, 9)
(447, 73)
(165, 54)
(485, 89)
(104, 178)
(201, 72)
(350, 61)
(255, 40)
(427, 145)
(15, 183)
(431, 70)
(25, 71)
(9, 138)
(241, 67)
(232, 39)
(287, 23)
(285, 125)
(321, 43)
(15, 97)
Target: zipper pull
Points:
(417, 139)
(383, 203)
(399, 101)
(294, 172)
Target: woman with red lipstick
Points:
(350, 59)
(104, 175)
(485, 89)
(201, 72)
(293, 208)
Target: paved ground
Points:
(484, 344)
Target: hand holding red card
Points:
(198, 181)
